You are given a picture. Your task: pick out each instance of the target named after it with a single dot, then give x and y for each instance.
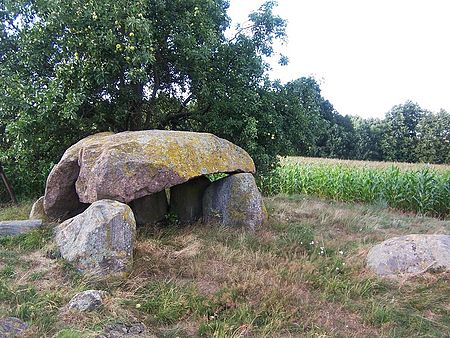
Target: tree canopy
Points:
(72, 68)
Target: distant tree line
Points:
(407, 133)
(69, 69)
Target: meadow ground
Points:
(301, 275)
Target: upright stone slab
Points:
(410, 254)
(186, 199)
(99, 241)
(37, 210)
(150, 209)
(234, 201)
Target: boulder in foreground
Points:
(100, 240)
(234, 201)
(411, 254)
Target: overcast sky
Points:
(368, 55)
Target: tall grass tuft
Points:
(423, 190)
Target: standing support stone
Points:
(234, 201)
(186, 199)
(37, 211)
(150, 209)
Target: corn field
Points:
(421, 189)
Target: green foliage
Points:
(367, 139)
(433, 133)
(309, 124)
(73, 68)
(424, 191)
(399, 138)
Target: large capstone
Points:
(410, 254)
(150, 209)
(130, 165)
(99, 241)
(186, 199)
(234, 201)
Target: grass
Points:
(301, 275)
(422, 188)
(17, 212)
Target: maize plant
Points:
(420, 188)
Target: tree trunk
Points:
(135, 120)
(8, 185)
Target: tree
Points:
(433, 133)
(72, 68)
(8, 186)
(302, 110)
(367, 139)
(399, 138)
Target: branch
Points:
(240, 31)
(156, 86)
(8, 185)
(179, 114)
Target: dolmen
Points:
(107, 184)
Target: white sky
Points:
(368, 55)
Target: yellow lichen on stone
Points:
(149, 161)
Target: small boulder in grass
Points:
(12, 327)
(410, 255)
(87, 300)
